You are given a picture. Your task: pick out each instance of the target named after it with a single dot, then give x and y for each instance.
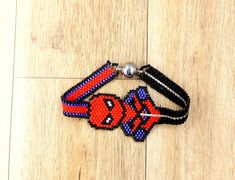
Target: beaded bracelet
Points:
(136, 114)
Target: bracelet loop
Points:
(136, 114)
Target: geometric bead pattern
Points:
(137, 124)
(107, 111)
(136, 114)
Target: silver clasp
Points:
(129, 70)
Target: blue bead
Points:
(142, 93)
(127, 129)
(129, 97)
(140, 134)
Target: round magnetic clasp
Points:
(129, 70)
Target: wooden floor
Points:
(48, 46)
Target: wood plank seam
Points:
(12, 90)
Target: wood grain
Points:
(69, 38)
(7, 35)
(193, 43)
(47, 145)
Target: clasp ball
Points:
(129, 70)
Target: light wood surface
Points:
(193, 42)
(47, 145)
(7, 37)
(78, 34)
(56, 43)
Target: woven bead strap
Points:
(73, 100)
(171, 90)
(136, 113)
